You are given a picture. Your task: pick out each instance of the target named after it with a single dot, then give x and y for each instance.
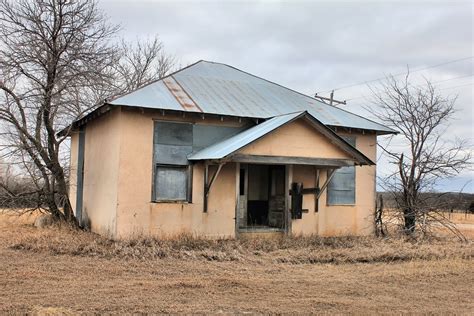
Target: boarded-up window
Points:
(341, 188)
(171, 182)
(172, 143)
(206, 135)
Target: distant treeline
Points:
(449, 201)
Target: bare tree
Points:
(58, 61)
(421, 114)
(53, 52)
(142, 62)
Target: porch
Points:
(267, 197)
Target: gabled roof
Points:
(228, 146)
(214, 88)
(231, 145)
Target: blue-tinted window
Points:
(341, 188)
(172, 143)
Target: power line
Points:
(398, 74)
(449, 79)
(445, 80)
(463, 85)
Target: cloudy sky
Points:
(316, 46)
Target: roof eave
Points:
(359, 158)
(99, 111)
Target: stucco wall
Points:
(73, 169)
(118, 181)
(137, 215)
(297, 139)
(101, 165)
(333, 220)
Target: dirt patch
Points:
(57, 271)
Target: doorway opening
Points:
(262, 197)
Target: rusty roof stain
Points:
(215, 88)
(184, 99)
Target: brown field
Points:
(59, 271)
(464, 222)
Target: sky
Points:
(317, 46)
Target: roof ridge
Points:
(270, 107)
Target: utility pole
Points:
(331, 99)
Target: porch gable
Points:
(296, 138)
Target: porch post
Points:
(316, 185)
(237, 198)
(289, 180)
(206, 176)
(208, 183)
(330, 174)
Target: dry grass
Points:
(461, 221)
(295, 250)
(61, 271)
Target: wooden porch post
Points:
(208, 183)
(237, 198)
(289, 180)
(316, 185)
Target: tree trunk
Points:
(62, 191)
(409, 221)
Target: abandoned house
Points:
(214, 151)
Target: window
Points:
(172, 143)
(171, 183)
(341, 188)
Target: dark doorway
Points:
(265, 196)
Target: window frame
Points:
(156, 165)
(348, 139)
(189, 172)
(328, 203)
(195, 144)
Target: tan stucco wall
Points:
(101, 162)
(332, 220)
(297, 139)
(118, 181)
(137, 215)
(73, 169)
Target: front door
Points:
(277, 196)
(242, 201)
(261, 203)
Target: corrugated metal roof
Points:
(234, 143)
(216, 88)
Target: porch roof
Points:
(227, 148)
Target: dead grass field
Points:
(58, 271)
